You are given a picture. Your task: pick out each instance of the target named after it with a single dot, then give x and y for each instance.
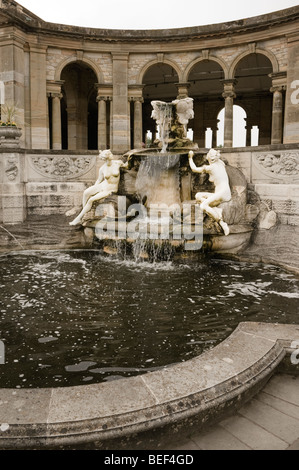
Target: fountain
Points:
(182, 364)
(169, 193)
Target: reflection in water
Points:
(69, 318)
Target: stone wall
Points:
(43, 183)
(273, 173)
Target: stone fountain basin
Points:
(143, 412)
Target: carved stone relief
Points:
(62, 166)
(279, 164)
(11, 168)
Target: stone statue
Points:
(184, 110)
(106, 184)
(217, 175)
(172, 119)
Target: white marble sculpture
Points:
(184, 110)
(217, 175)
(106, 184)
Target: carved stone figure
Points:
(106, 184)
(184, 110)
(217, 175)
(172, 119)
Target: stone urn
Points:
(10, 136)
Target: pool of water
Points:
(76, 317)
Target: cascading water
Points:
(165, 126)
(158, 179)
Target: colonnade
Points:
(135, 95)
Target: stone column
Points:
(199, 127)
(38, 97)
(278, 88)
(102, 123)
(248, 133)
(138, 122)
(291, 127)
(56, 121)
(12, 75)
(228, 95)
(54, 93)
(214, 128)
(120, 104)
(277, 110)
(104, 95)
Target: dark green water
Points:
(74, 318)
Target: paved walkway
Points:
(270, 421)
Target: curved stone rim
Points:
(198, 389)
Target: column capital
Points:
(56, 95)
(229, 94)
(229, 88)
(229, 81)
(103, 98)
(136, 92)
(279, 81)
(54, 87)
(182, 88)
(136, 99)
(280, 88)
(104, 91)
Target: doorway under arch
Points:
(79, 108)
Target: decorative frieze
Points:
(278, 164)
(62, 167)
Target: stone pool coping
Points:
(137, 411)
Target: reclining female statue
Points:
(106, 184)
(217, 175)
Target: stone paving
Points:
(270, 421)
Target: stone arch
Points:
(192, 64)
(268, 54)
(75, 59)
(79, 106)
(147, 66)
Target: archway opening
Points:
(206, 89)
(79, 115)
(252, 88)
(239, 127)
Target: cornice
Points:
(24, 19)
